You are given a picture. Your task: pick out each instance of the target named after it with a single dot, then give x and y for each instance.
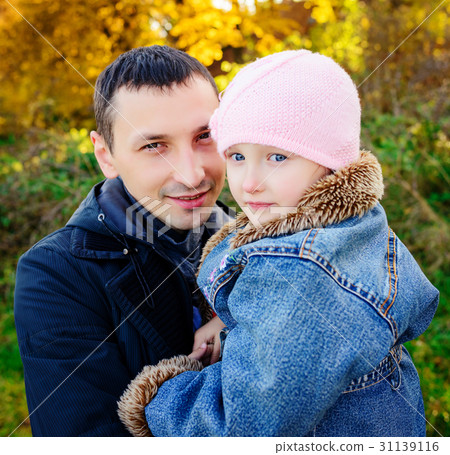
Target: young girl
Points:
(317, 293)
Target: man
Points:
(115, 288)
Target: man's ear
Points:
(103, 155)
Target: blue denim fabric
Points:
(317, 320)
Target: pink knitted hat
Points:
(297, 101)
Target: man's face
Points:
(162, 149)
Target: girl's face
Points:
(268, 181)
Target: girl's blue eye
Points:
(237, 157)
(277, 157)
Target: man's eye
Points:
(277, 157)
(205, 135)
(152, 146)
(237, 157)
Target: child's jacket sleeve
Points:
(297, 344)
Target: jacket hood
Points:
(348, 192)
(86, 215)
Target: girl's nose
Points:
(253, 182)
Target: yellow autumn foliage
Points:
(51, 51)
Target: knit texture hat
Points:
(298, 101)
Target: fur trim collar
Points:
(350, 191)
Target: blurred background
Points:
(47, 164)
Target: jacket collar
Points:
(99, 222)
(348, 192)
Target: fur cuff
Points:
(143, 388)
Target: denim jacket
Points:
(317, 306)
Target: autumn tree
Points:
(52, 51)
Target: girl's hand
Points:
(207, 342)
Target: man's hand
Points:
(207, 342)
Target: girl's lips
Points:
(259, 205)
(190, 203)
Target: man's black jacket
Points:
(93, 306)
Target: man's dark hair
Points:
(153, 66)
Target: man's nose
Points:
(189, 168)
